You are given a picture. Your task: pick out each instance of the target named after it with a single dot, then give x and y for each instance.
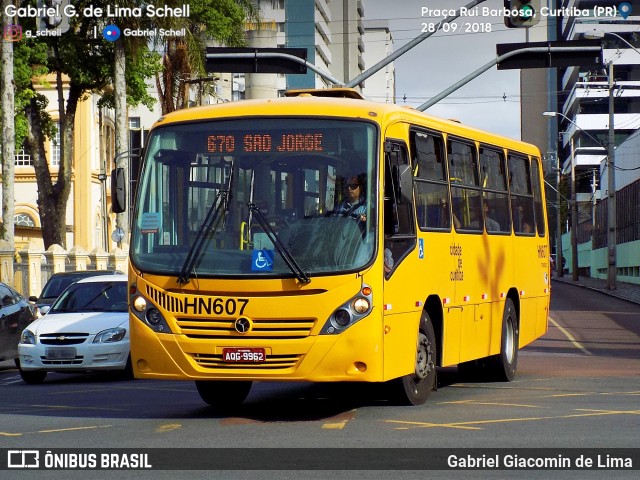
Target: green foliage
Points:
(29, 69)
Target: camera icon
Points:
(12, 33)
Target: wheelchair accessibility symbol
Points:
(262, 261)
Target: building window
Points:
(23, 220)
(54, 157)
(134, 122)
(23, 159)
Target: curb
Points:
(630, 294)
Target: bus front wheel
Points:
(222, 394)
(415, 388)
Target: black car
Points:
(58, 282)
(15, 314)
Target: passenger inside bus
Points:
(490, 223)
(522, 220)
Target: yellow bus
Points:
(323, 237)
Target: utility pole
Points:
(574, 217)
(122, 140)
(611, 198)
(559, 256)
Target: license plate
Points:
(66, 353)
(243, 355)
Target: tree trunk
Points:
(7, 155)
(35, 146)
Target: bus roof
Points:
(340, 102)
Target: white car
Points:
(86, 329)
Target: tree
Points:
(7, 106)
(222, 21)
(87, 62)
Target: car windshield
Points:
(257, 197)
(92, 297)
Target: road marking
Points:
(7, 434)
(339, 421)
(497, 404)
(73, 429)
(168, 427)
(573, 341)
(470, 425)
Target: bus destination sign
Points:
(265, 143)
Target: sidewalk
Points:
(624, 291)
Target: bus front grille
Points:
(260, 328)
(272, 362)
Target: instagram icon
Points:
(12, 33)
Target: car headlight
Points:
(110, 335)
(27, 337)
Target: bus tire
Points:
(504, 365)
(415, 388)
(221, 394)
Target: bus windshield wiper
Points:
(280, 247)
(211, 222)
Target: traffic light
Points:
(521, 13)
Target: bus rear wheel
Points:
(221, 394)
(504, 364)
(415, 388)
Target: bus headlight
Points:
(139, 303)
(343, 317)
(350, 312)
(154, 317)
(145, 311)
(361, 305)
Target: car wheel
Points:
(33, 377)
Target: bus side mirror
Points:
(118, 191)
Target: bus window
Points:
(400, 235)
(496, 197)
(521, 195)
(465, 186)
(537, 195)
(430, 182)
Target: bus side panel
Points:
(451, 340)
(403, 294)
(400, 344)
(543, 316)
(528, 320)
(483, 276)
(530, 285)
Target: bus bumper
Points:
(354, 355)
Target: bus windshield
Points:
(274, 197)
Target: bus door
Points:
(471, 250)
(402, 292)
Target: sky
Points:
(491, 101)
